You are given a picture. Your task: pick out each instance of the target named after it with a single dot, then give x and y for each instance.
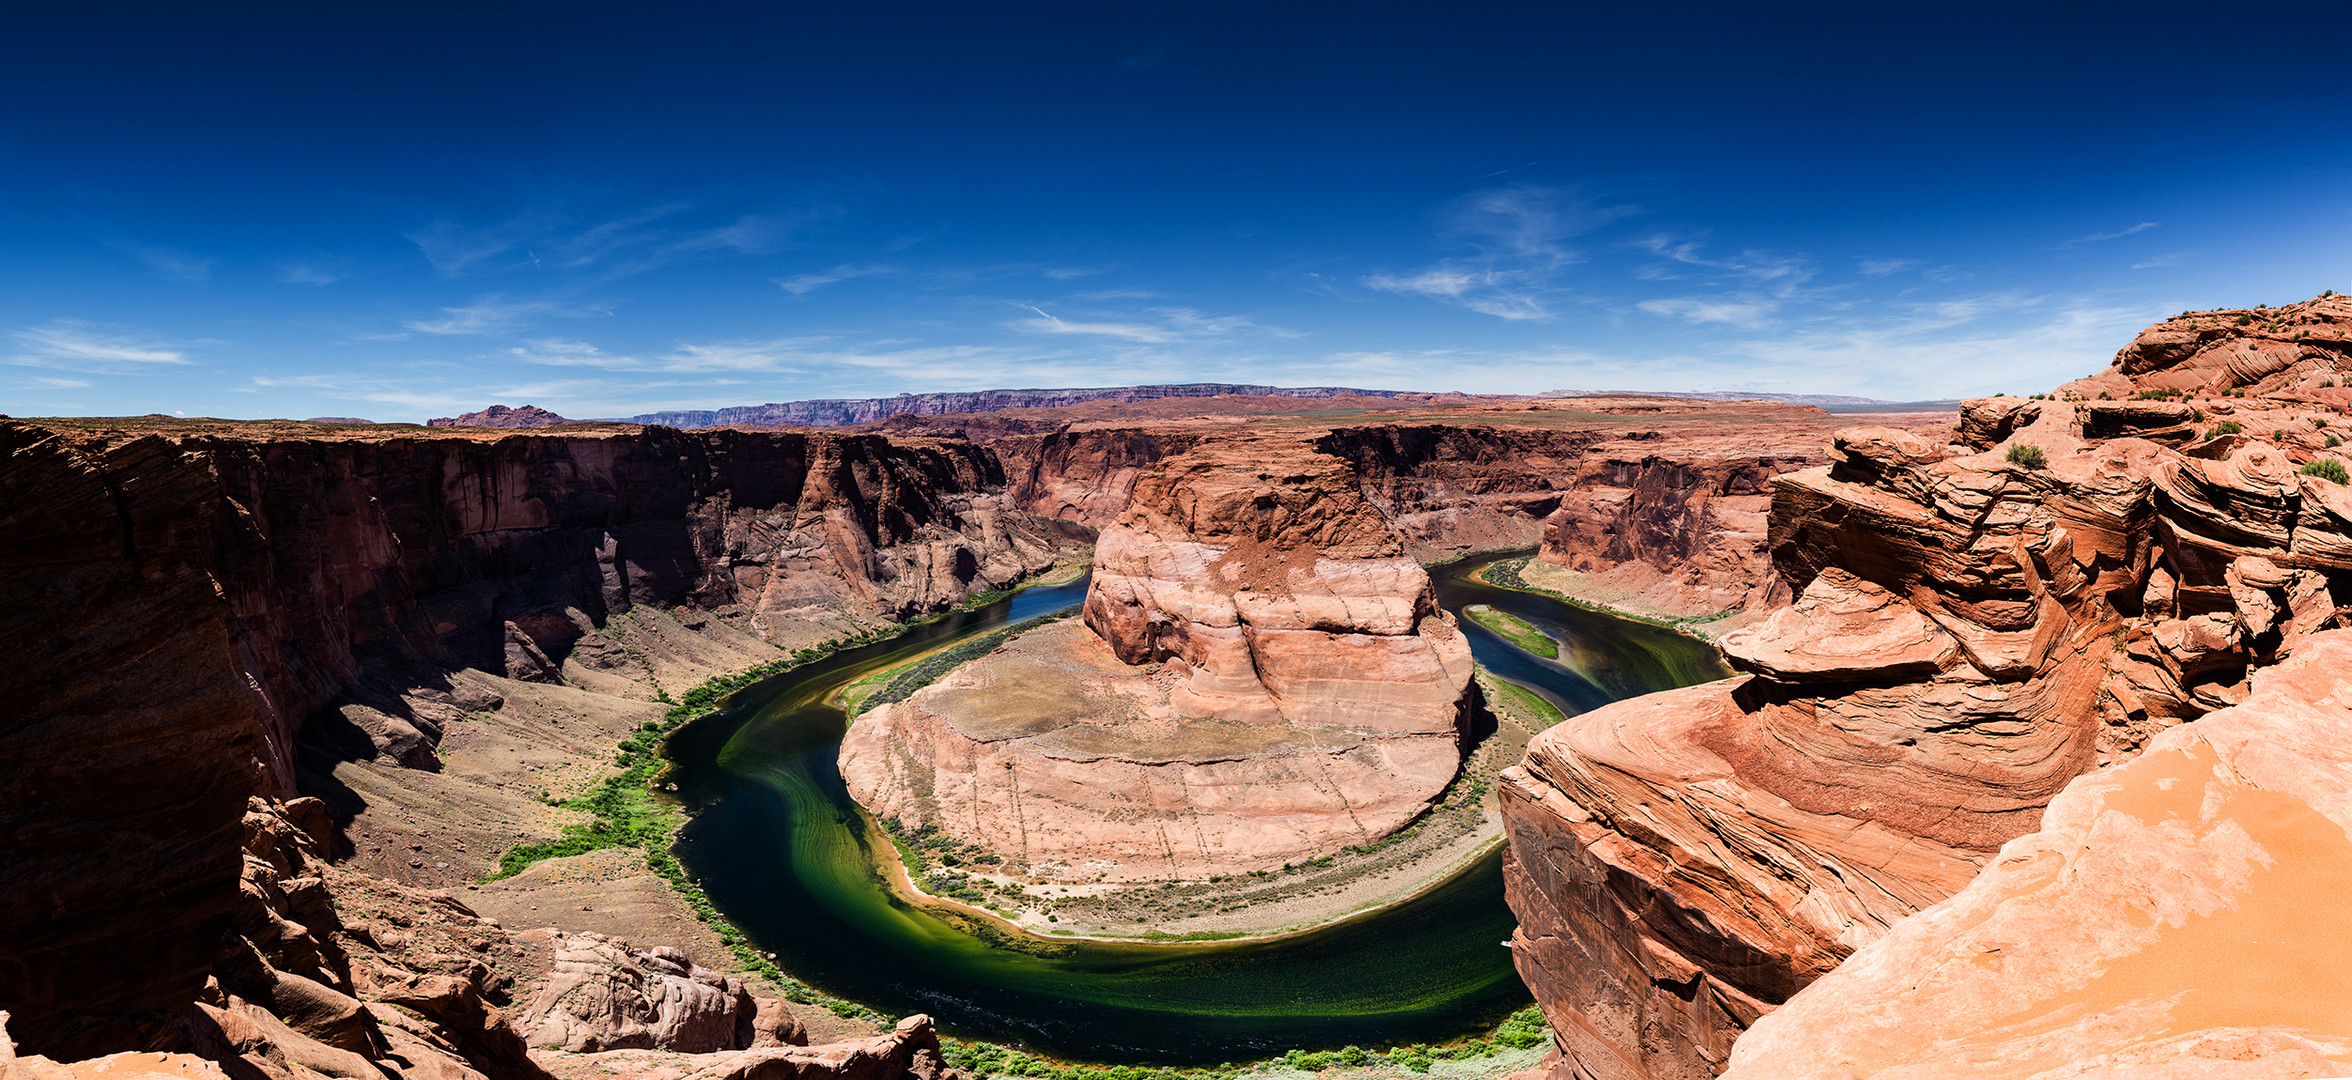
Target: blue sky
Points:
(409, 211)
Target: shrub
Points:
(2226, 427)
(2196, 416)
(2334, 442)
(2028, 455)
(2278, 434)
(2328, 469)
(2319, 422)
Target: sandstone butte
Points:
(342, 665)
(1304, 690)
(1974, 633)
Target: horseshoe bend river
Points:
(780, 848)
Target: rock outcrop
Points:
(2299, 349)
(2159, 924)
(909, 1051)
(1263, 676)
(604, 995)
(1975, 626)
(499, 416)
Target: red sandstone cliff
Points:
(1974, 629)
(180, 603)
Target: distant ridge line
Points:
(841, 412)
(1728, 395)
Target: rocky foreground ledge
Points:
(1977, 626)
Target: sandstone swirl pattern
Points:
(1264, 675)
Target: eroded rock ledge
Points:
(1973, 629)
(2160, 923)
(1263, 676)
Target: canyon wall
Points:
(181, 602)
(1657, 506)
(1975, 626)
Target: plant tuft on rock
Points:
(2328, 469)
(2028, 455)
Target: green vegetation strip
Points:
(1515, 630)
(927, 670)
(1507, 574)
(625, 813)
(1524, 1030)
(1540, 714)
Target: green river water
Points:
(780, 847)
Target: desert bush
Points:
(2328, 469)
(2028, 455)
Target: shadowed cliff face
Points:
(128, 743)
(1975, 626)
(178, 606)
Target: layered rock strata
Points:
(1301, 691)
(2158, 924)
(1975, 626)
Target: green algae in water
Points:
(779, 846)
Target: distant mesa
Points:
(842, 412)
(1729, 395)
(499, 416)
(343, 420)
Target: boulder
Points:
(1843, 629)
(604, 995)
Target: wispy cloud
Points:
(2173, 259)
(1048, 324)
(1517, 238)
(618, 246)
(1153, 326)
(1884, 267)
(1753, 285)
(488, 315)
(312, 272)
(2096, 237)
(79, 346)
(1759, 267)
(170, 262)
(1749, 313)
(804, 284)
